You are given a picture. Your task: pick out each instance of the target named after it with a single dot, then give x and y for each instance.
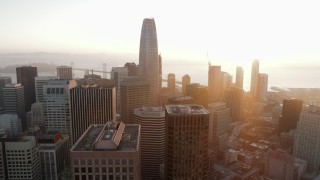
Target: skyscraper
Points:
(262, 87)
(291, 110)
(152, 122)
(92, 102)
(307, 138)
(149, 64)
(186, 152)
(39, 82)
(64, 72)
(233, 99)
(239, 77)
(3, 82)
(19, 158)
(26, 76)
(218, 126)
(215, 84)
(185, 82)
(199, 93)
(134, 93)
(254, 78)
(56, 105)
(171, 84)
(118, 74)
(13, 98)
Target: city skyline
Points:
(275, 32)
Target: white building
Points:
(307, 138)
(39, 82)
(56, 105)
(19, 159)
(54, 153)
(10, 123)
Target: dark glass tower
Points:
(149, 64)
(25, 76)
(290, 114)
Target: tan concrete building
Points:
(186, 154)
(64, 72)
(152, 121)
(107, 152)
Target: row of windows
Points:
(103, 161)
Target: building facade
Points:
(39, 82)
(291, 110)
(26, 76)
(3, 81)
(233, 99)
(149, 63)
(56, 105)
(171, 84)
(92, 102)
(10, 123)
(20, 158)
(118, 74)
(262, 87)
(185, 82)
(152, 122)
(254, 78)
(279, 165)
(215, 84)
(64, 72)
(107, 151)
(307, 138)
(239, 77)
(186, 152)
(134, 93)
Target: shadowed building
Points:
(3, 82)
(233, 99)
(152, 122)
(92, 102)
(134, 93)
(149, 64)
(262, 87)
(199, 93)
(291, 110)
(186, 152)
(26, 77)
(171, 84)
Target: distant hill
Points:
(41, 67)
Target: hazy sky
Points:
(273, 31)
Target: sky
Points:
(285, 32)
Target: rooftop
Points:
(186, 109)
(109, 137)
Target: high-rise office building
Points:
(199, 93)
(254, 78)
(118, 74)
(39, 82)
(134, 93)
(218, 126)
(233, 99)
(186, 152)
(92, 102)
(171, 84)
(307, 138)
(19, 158)
(37, 114)
(107, 151)
(10, 123)
(13, 98)
(152, 122)
(132, 68)
(262, 87)
(56, 105)
(291, 110)
(3, 82)
(64, 72)
(149, 65)
(185, 82)
(26, 76)
(54, 154)
(215, 84)
(239, 77)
